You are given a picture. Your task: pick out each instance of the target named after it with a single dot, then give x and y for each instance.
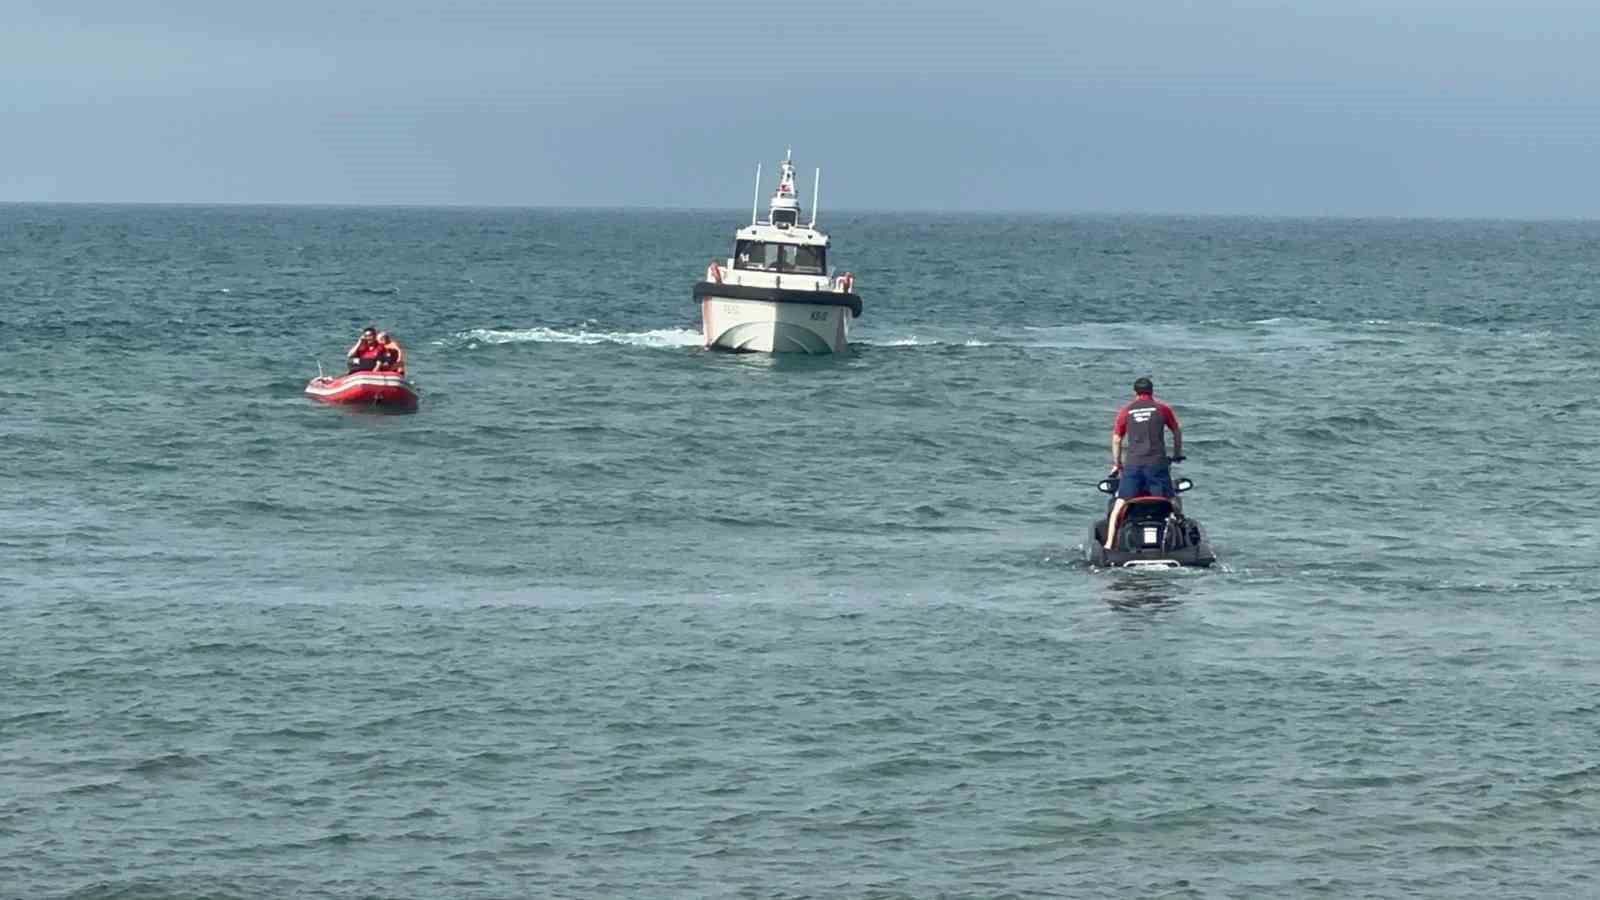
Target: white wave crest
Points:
(921, 342)
(657, 338)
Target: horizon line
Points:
(1018, 211)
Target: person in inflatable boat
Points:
(367, 352)
(391, 358)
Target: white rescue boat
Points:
(777, 294)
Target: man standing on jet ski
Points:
(1139, 451)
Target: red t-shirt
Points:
(1142, 425)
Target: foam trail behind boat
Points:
(660, 338)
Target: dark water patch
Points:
(138, 467)
(897, 526)
(19, 719)
(1324, 435)
(173, 888)
(1360, 421)
(175, 764)
(1071, 446)
(233, 648)
(286, 734)
(96, 789)
(735, 521)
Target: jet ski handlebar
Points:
(1108, 484)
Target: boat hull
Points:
(774, 326)
(381, 391)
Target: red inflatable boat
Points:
(383, 391)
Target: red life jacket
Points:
(369, 351)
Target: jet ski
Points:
(1152, 534)
(379, 391)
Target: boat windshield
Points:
(764, 256)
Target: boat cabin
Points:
(782, 244)
(754, 254)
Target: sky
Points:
(1309, 108)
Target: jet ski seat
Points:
(1149, 507)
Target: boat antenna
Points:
(816, 189)
(755, 203)
(320, 373)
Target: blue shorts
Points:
(1145, 481)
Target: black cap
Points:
(1142, 385)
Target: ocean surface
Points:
(613, 616)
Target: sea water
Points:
(615, 616)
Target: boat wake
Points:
(1228, 335)
(660, 338)
(915, 341)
